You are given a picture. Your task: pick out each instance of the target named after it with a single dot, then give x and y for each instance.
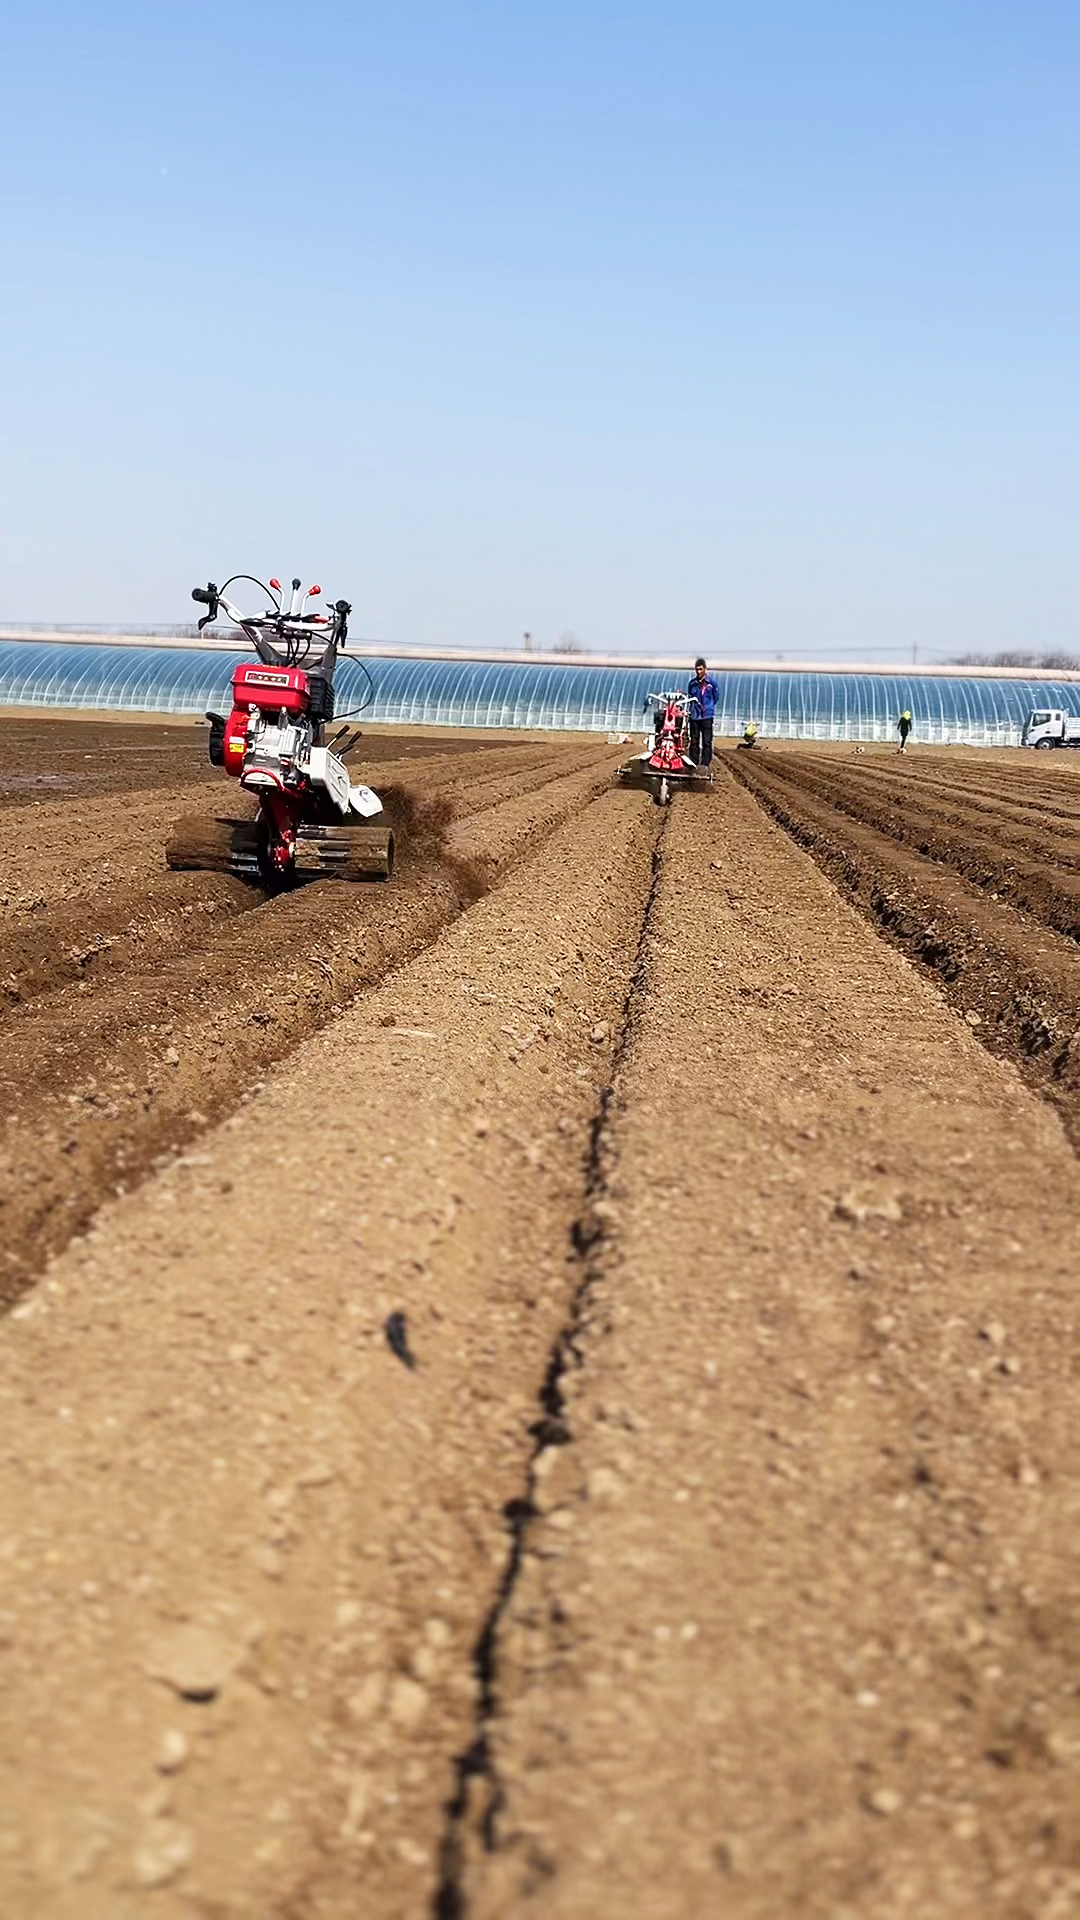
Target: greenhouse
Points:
(786, 703)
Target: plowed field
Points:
(970, 864)
(547, 1386)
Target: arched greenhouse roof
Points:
(790, 703)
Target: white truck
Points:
(1049, 727)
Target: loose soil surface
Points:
(547, 1386)
(42, 757)
(971, 869)
(793, 1631)
(140, 1003)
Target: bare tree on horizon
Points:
(1010, 657)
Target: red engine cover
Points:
(285, 688)
(236, 727)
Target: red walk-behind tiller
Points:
(311, 818)
(665, 767)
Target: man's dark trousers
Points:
(701, 741)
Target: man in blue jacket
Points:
(703, 698)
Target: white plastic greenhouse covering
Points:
(789, 705)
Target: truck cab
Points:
(1050, 727)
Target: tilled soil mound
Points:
(142, 1004)
(989, 911)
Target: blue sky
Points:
(749, 329)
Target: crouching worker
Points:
(749, 734)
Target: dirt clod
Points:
(195, 1661)
(165, 1848)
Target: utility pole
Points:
(527, 638)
